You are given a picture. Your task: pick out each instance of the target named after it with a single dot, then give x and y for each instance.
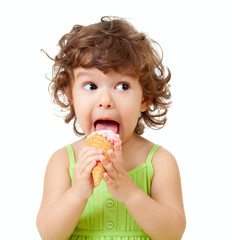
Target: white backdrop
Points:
(196, 39)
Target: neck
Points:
(132, 143)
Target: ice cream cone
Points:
(99, 142)
(98, 173)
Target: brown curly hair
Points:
(113, 44)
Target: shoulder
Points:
(58, 165)
(165, 167)
(163, 158)
(59, 157)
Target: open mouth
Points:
(106, 125)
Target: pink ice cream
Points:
(109, 135)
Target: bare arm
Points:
(162, 215)
(63, 204)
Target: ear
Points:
(146, 101)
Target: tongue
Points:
(107, 125)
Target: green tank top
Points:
(104, 218)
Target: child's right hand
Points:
(83, 184)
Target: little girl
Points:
(109, 76)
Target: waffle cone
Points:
(99, 142)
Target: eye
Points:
(90, 86)
(122, 86)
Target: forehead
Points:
(80, 72)
(89, 72)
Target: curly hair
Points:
(113, 44)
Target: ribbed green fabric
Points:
(104, 218)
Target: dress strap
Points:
(149, 159)
(72, 161)
(151, 153)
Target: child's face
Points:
(113, 96)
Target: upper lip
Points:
(105, 119)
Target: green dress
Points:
(104, 218)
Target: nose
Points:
(105, 100)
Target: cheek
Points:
(130, 111)
(82, 112)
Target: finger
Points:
(84, 164)
(108, 180)
(115, 157)
(86, 153)
(88, 170)
(85, 150)
(110, 169)
(117, 147)
(118, 152)
(89, 151)
(79, 172)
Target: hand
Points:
(118, 182)
(82, 175)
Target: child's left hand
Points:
(118, 182)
